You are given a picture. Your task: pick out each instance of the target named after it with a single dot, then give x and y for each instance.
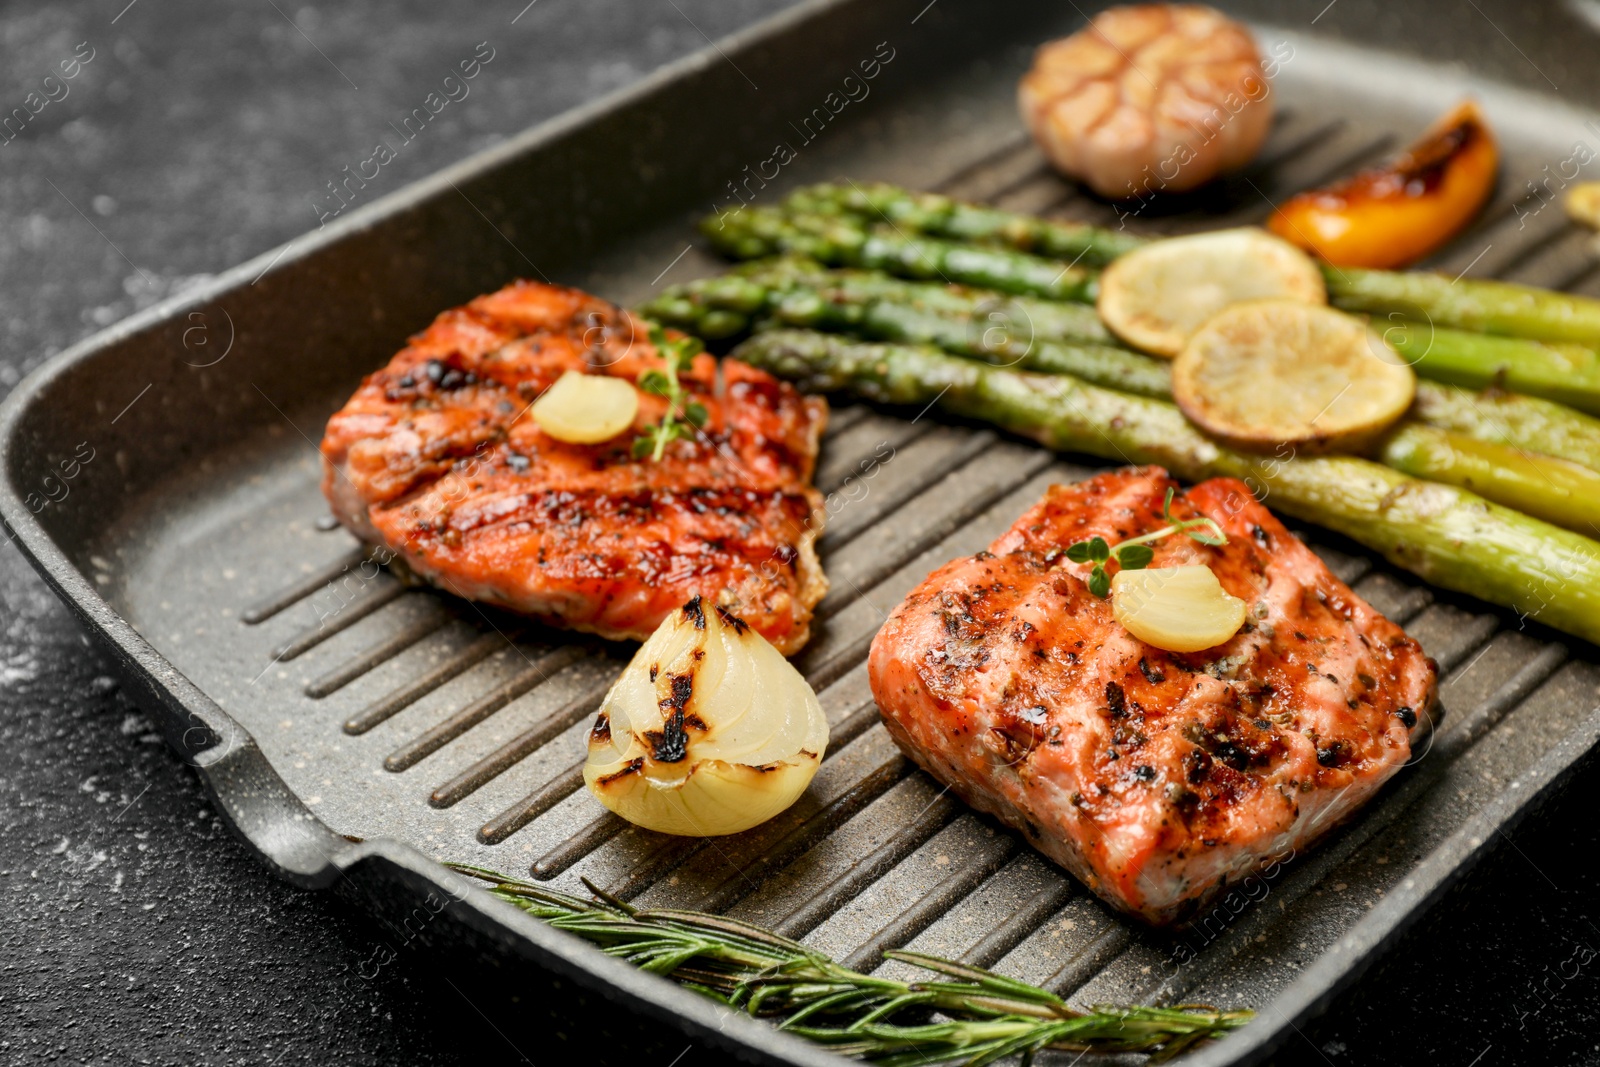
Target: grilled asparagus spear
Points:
(754, 288)
(1567, 373)
(1039, 335)
(943, 216)
(845, 241)
(1002, 334)
(1447, 535)
(1464, 303)
(1555, 490)
(1491, 307)
(1522, 422)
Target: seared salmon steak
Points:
(436, 459)
(1156, 778)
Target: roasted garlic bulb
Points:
(1149, 98)
(708, 731)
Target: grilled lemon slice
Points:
(1155, 297)
(1274, 372)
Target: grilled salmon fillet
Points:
(435, 459)
(1156, 778)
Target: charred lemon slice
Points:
(1275, 372)
(585, 409)
(1155, 297)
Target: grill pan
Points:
(353, 730)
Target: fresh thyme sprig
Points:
(1135, 553)
(681, 419)
(964, 1013)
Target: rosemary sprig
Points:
(963, 1013)
(1135, 553)
(681, 419)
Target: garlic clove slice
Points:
(1179, 609)
(708, 731)
(585, 409)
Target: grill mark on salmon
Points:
(1156, 778)
(436, 459)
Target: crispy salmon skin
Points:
(436, 458)
(1156, 778)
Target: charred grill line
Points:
(1541, 251)
(819, 673)
(670, 744)
(905, 926)
(1389, 805)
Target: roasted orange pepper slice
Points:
(1394, 215)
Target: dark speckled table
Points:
(133, 926)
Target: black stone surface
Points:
(133, 927)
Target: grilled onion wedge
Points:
(1264, 374)
(708, 731)
(1156, 297)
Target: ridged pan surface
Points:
(398, 713)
